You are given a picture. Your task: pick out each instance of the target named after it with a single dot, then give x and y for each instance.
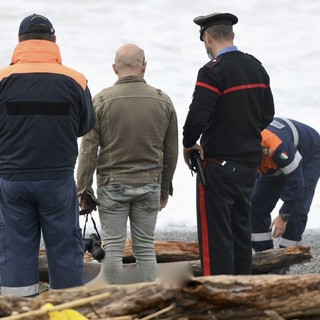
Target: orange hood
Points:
(36, 51)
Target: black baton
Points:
(196, 166)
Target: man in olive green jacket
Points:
(133, 148)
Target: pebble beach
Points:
(311, 238)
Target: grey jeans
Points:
(141, 204)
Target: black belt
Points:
(216, 160)
(224, 162)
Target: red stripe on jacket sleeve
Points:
(232, 89)
(205, 85)
(246, 86)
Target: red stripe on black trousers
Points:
(205, 236)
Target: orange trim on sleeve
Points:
(25, 68)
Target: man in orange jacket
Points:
(44, 108)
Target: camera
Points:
(93, 246)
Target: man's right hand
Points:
(164, 200)
(87, 204)
(279, 226)
(186, 153)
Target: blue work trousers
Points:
(28, 208)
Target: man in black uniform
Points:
(232, 103)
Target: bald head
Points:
(129, 61)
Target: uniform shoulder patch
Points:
(284, 155)
(250, 55)
(213, 62)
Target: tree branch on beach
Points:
(263, 297)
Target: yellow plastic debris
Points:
(66, 314)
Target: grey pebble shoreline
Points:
(310, 238)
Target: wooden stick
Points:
(153, 315)
(273, 315)
(67, 305)
(118, 318)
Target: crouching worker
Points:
(289, 171)
(44, 108)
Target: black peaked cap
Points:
(214, 19)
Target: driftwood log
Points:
(264, 297)
(175, 251)
(168, 251)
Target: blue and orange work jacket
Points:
(44, 108)
(286, 146)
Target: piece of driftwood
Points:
(174, 251)
(267, 261)
(167, 251)
(263, 297)
(263, 262)
(270, 261)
